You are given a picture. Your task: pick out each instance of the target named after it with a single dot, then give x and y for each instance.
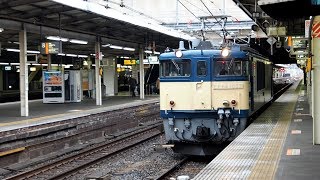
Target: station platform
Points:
(277, 145)
(40, 113)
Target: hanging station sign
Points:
(50, 47)
(129, 62)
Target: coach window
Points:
(202, 68)
(232, 67)
(175, 68)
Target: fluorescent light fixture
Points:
(33, 52)
(106, 45)
(125, 57)
(115, 47)
(95, 55)
(71, 55)
(57, 38)
(156, 52)
(13, 50)
(76, 41)
(129, 49)
(28, 51)
(61, 54)
(265, 2)
(149, 52)
(83, 56)
(3, 63)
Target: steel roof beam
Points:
(9, 3)
(76, 34)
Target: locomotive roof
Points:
(235, 52)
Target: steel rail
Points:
(172, 169)
(87, 153)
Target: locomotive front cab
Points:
(199, 104)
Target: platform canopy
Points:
(81, 20)
(186, 15)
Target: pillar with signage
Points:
(109, 76)
(315, 79)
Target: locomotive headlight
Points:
(178, 53)
(171, 103)
(225, 52)
(233, 102)
(225, 103)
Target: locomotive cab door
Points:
(202, 84)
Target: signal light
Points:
(225, 103)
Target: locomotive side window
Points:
(175, 68)
(202, 68)
(232, 67)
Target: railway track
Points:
(66, 167)
(187, 167)
(171, 170)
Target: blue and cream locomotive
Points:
(207, 95)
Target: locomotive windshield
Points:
(232, 67)
(175, 68)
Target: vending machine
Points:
(53, 87)
(73, 89)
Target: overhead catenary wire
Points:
(196, 6)
(189, 10)
(194, 15)
(210, 12)
(134, 10)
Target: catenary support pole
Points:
(97, 72)
(24, 84)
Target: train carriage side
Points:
(261, 81)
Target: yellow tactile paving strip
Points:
(255, 154)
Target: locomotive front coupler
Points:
(220, 120)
